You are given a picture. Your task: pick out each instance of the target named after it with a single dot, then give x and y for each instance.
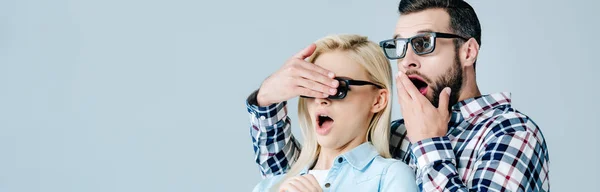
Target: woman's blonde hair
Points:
(370, 57)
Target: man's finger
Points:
(444, 100)
(315, 86)
(403, 96)
(318, 69)
(306, 52)
(318, 77)
(310, 93)
(410, 87)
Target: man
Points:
(455, 138)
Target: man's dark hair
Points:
(463, 20)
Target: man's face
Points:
(431, 72)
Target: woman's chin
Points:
(327, 141)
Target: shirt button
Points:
(327, 185)
(262, 117)
(340, 160)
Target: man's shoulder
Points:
(398, 131)
(397, 124)
(398, 142)
(507, 120)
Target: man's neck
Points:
(470, 88)
(327, 155)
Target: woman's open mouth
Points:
(324, 123)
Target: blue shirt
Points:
(360, 169)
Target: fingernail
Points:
(448, 90)
(334, 83)
(332, 91)
(325, 95)
(330, 74)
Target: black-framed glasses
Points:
(422, 44)
(344, 87)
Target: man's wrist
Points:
(260, 99)
(253, 103)
(252, 100)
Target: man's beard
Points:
(453, 79)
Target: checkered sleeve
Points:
(275, 148)
(513, 157)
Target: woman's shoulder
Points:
(397, 175)
(388, 163)
(267, 183)
(399, 169)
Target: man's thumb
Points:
(444, 100)
(306, 52)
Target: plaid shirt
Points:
(489, 146)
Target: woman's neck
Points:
(327, 155)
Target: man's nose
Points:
(410, 60)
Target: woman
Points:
(346, 135)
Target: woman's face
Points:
(339, 122)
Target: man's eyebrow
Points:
(420, 31)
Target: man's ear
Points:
(469, 52)
(380, 101)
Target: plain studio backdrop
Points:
(132, 95)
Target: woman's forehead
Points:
(341, 64)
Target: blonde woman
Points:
(346, 134)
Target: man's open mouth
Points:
(419, 83)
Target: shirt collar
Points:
(361, 156)
(476, 106)
(358, 158)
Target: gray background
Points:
(132, 95)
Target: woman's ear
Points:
(380, 101)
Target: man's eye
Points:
(418, 43)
